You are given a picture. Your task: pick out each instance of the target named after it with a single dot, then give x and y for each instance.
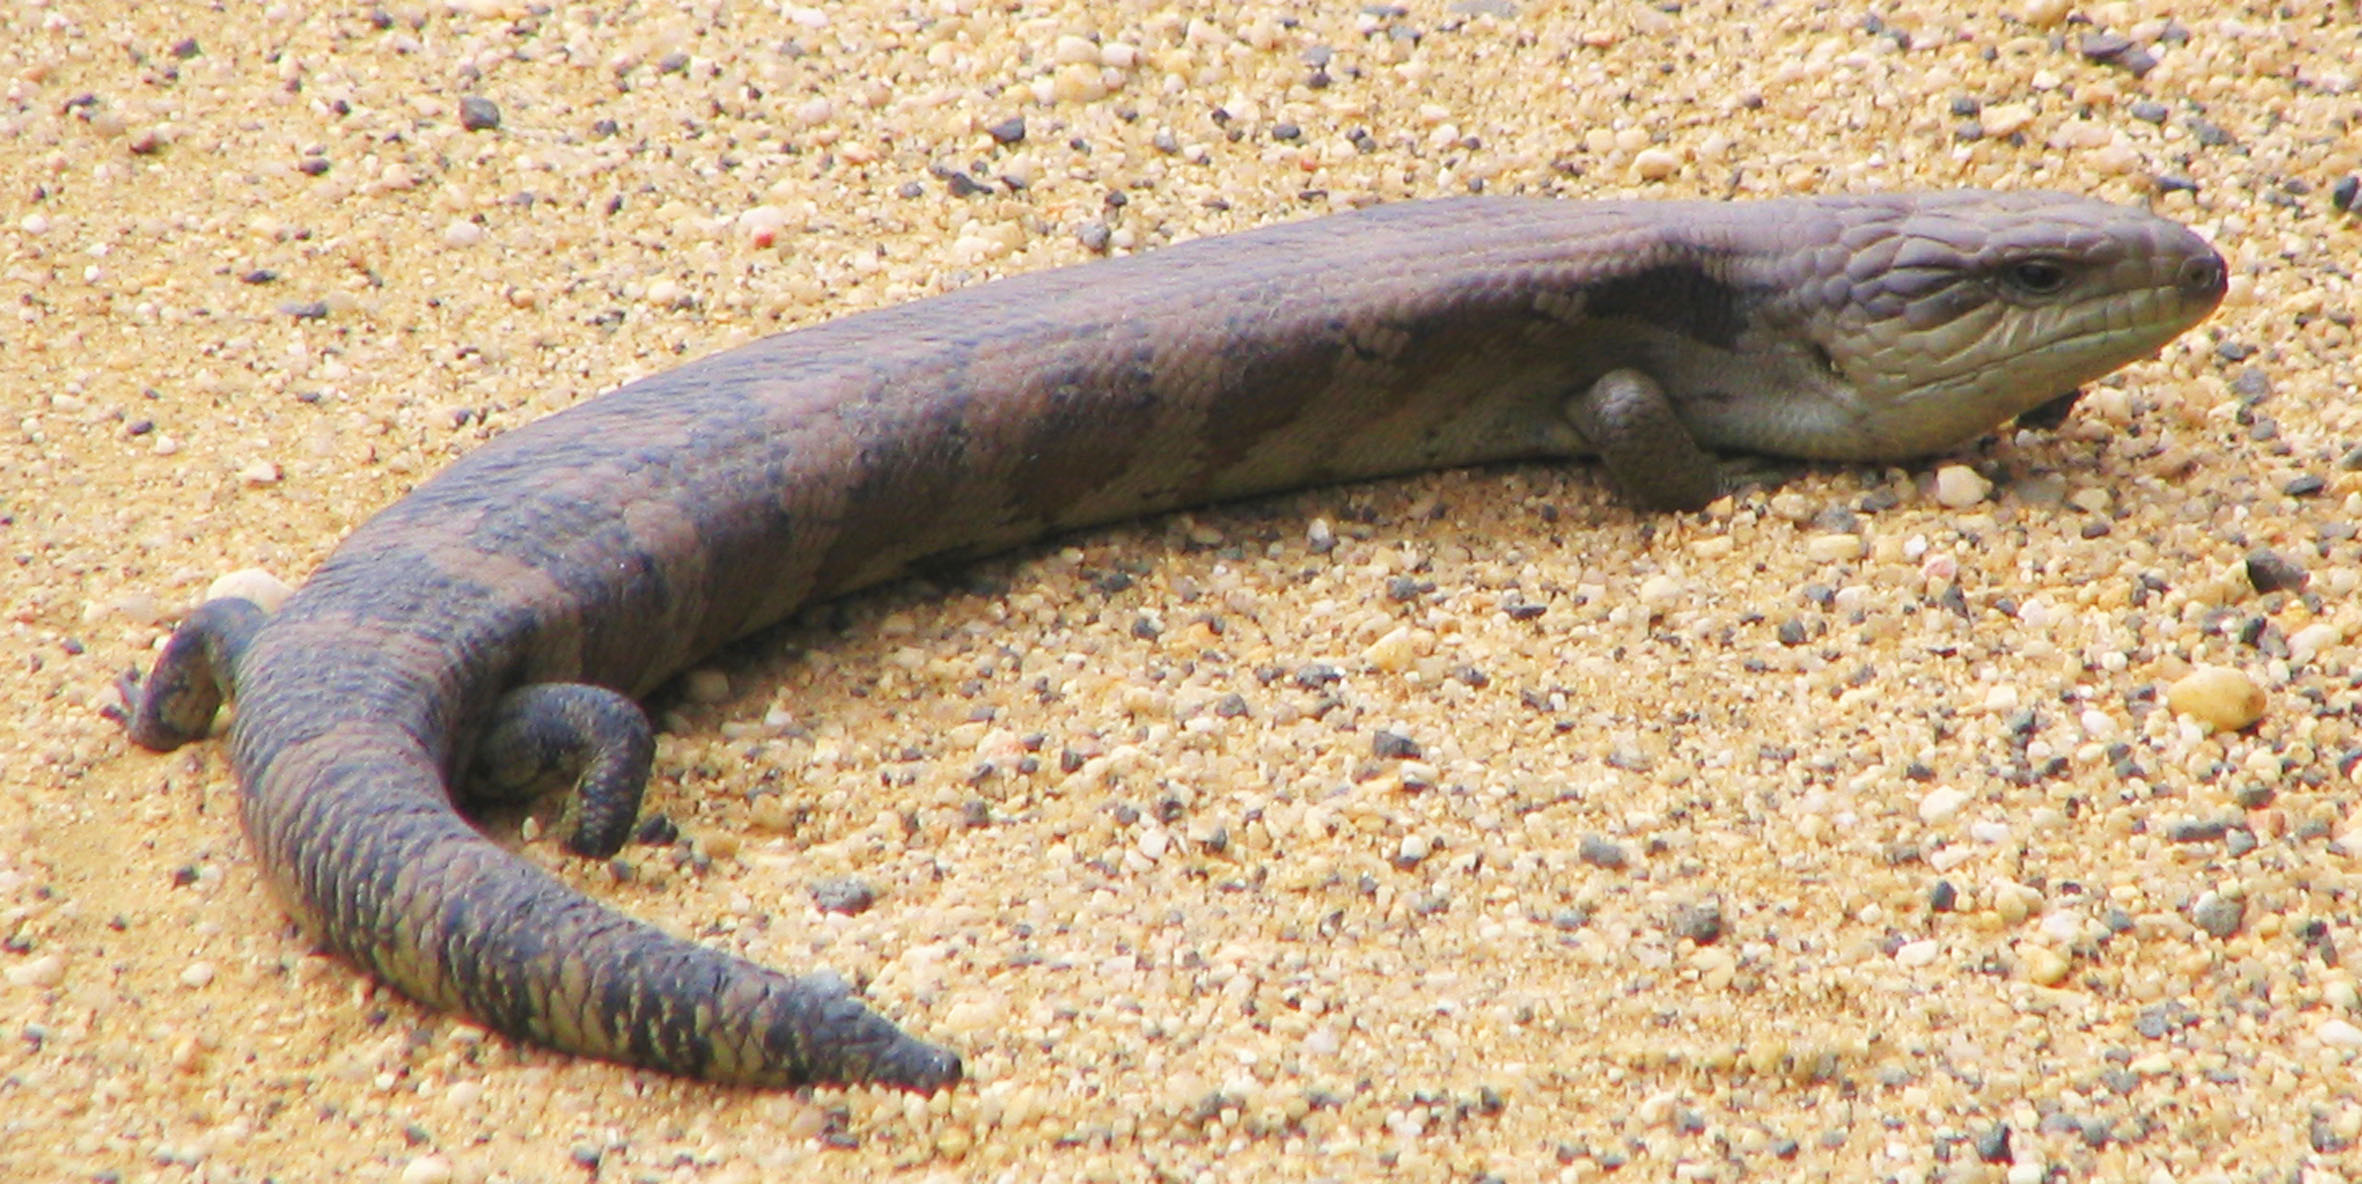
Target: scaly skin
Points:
(489, 629)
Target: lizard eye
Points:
(2035, 277)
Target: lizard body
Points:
(495, 624)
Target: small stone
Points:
(2338, 1033)
(478, 114)
(1658, 592)
(1993, 1144)
(1656, 164)
(1600, 852)
(848, 896)
(1394, 746)
(1833, 548)
(427, 1169)
(2307, 643)
(2044, 966)
(1412, 851)
(252, 584)
(259, 473)
(2043, 14)
(1942, 805)
(1918, 953)
(762, 224)
(2198, 831)
(40, 973)
(1700, 923)
(1007, 131)
(1959, 487)
(2220, 697)
(2218, 914)
(2269, 571)
(462, 234)
(2006, 120)
(1395, 652)
(706, 686)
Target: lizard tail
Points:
(360, 839)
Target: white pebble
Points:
(2007, 119)
(462, 233)
(2338, 1033)
(40, 973)
(196, 974)
(1656, 164)
(261, 472)
(1959, 487)
(762, 223)
(1658, 592)
(1942, 805)
(427, 1169)
(2043, 14)
(1918, 953)
(2307, 643)
(265, 590)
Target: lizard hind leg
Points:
(595, 742)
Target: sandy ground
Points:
(1834, 833)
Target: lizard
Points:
(490, 633)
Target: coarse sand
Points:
(1467, 827)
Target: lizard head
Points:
(1943, 316)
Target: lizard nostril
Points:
(2205, 276)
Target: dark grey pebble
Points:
(2270, 571)
(2207, 831)
(847, 895)
(1993, 1144)
(1008, 131)
(478, 114)
(2218, 915)
(1700, 923)
(1599, 852)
